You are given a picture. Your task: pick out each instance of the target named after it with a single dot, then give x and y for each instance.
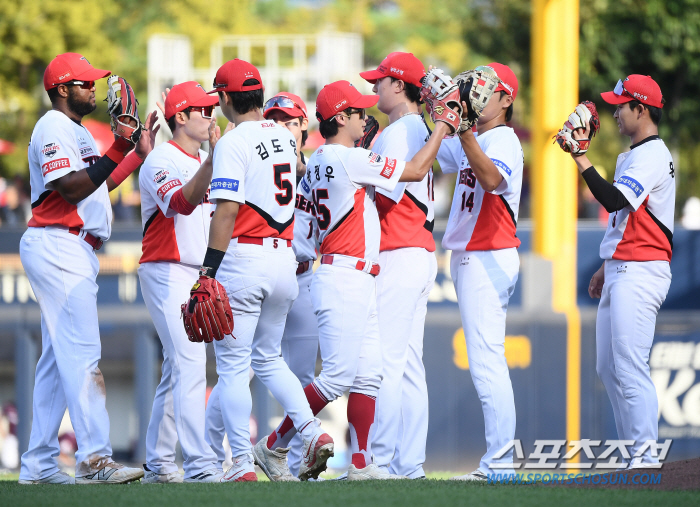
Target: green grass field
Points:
(345, 494)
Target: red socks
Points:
(286, 430)
(361, 418)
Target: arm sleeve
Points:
(161, 180)
(232, 157)
(638, 180)
(605, 193)
(179, 204)
(367, 168)
(449, 155)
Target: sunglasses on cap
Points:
(620, 89)
(282, 102)
(85, 85)
(205, 111)
(350, 111)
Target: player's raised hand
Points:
(147, 141)
(214, 135)
(161, 105)
(229, 127)
(595, 288)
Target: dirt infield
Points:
(676, 475)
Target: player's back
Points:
(253, 165)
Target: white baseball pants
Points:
(62, 270)
(629, 303)
(345, 304)
(261, 284)
(178, 407)
(484, 282)
(300, 349)
(403, 286)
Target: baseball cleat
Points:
(210, 475)
(476, 475)
(151, 477)
(242, 470)
(341, 477)
(112, 473)
(57, 478)
(315, 453)
(371, 473)
(273, 463)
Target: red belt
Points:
(303, 267)
(93, 241)
(259, 241)
(360, 266)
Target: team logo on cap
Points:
(640, 96)
(397, 71)
(183, 102)
(341, 103)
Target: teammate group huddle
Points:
(246, 222)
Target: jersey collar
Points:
(650, 138)
(183, 151)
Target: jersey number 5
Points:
(285, 197)
(323, 214)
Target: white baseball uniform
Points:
(484, 267)
(254, 166)
(62, 269)
(408, 270)
(637, 252)
(341, 183)
(300, 338)
(173, 248)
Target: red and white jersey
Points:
(167, 235)
(305, 228)
(341, 182)
(643, 231)
(255, 165)
(409, 222)
(481, 220)
(59, 146)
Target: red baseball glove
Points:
(585, 114)
(207, 314)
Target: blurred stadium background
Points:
(300, 45)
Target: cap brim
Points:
(206, 101)
(611, 98)
(294, 112)
(92, 75)
(371, 76)
(365, 101)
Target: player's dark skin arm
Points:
(221, 228)
(420, 164)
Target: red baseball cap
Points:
(187, 94)
(635, 87)
(509, 83)
(71, 67)
(403, 66)
(340, 95)
(231, 76)
(287, 103)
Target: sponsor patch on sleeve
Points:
(162, 191)
(502, 166)
(224, 184)
(59, 163)
(374, 158)
(161, 176)
(636, 187)
(50, 149)
(305, 185)
(389, 166)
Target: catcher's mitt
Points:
(207, 314)
(441, 97)
(370, 130)
(476, 88)
(585, 114)
(121, 105)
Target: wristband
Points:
(212, 261)
(116, 151)
(101, 170)
(179, 204)
(127, 166)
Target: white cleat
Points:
(315, 453)
(273, 463)
(242, 470)
(112, 473)
(476, 475)
(151, 477)
(57, 478)
(210, 475)
(341, 477)
(371, 473)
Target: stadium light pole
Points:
(555, 56)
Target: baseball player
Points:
(484, 263)
(175, 214)
(250, 253)
(635, 276)
(408, 272)
(340, 181)
(71, 218)
(300, 338)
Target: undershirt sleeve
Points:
(605, 193)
